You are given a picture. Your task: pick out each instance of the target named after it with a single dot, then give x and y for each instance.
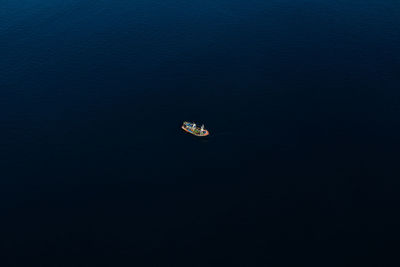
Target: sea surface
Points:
(301, 98)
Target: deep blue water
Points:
(302, 99)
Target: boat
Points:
(191, 127)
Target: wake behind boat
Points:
(191, 127)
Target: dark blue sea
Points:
(302, 100)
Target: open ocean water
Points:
(301, 97)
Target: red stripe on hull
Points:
(201, 135)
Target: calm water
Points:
(302, 99)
